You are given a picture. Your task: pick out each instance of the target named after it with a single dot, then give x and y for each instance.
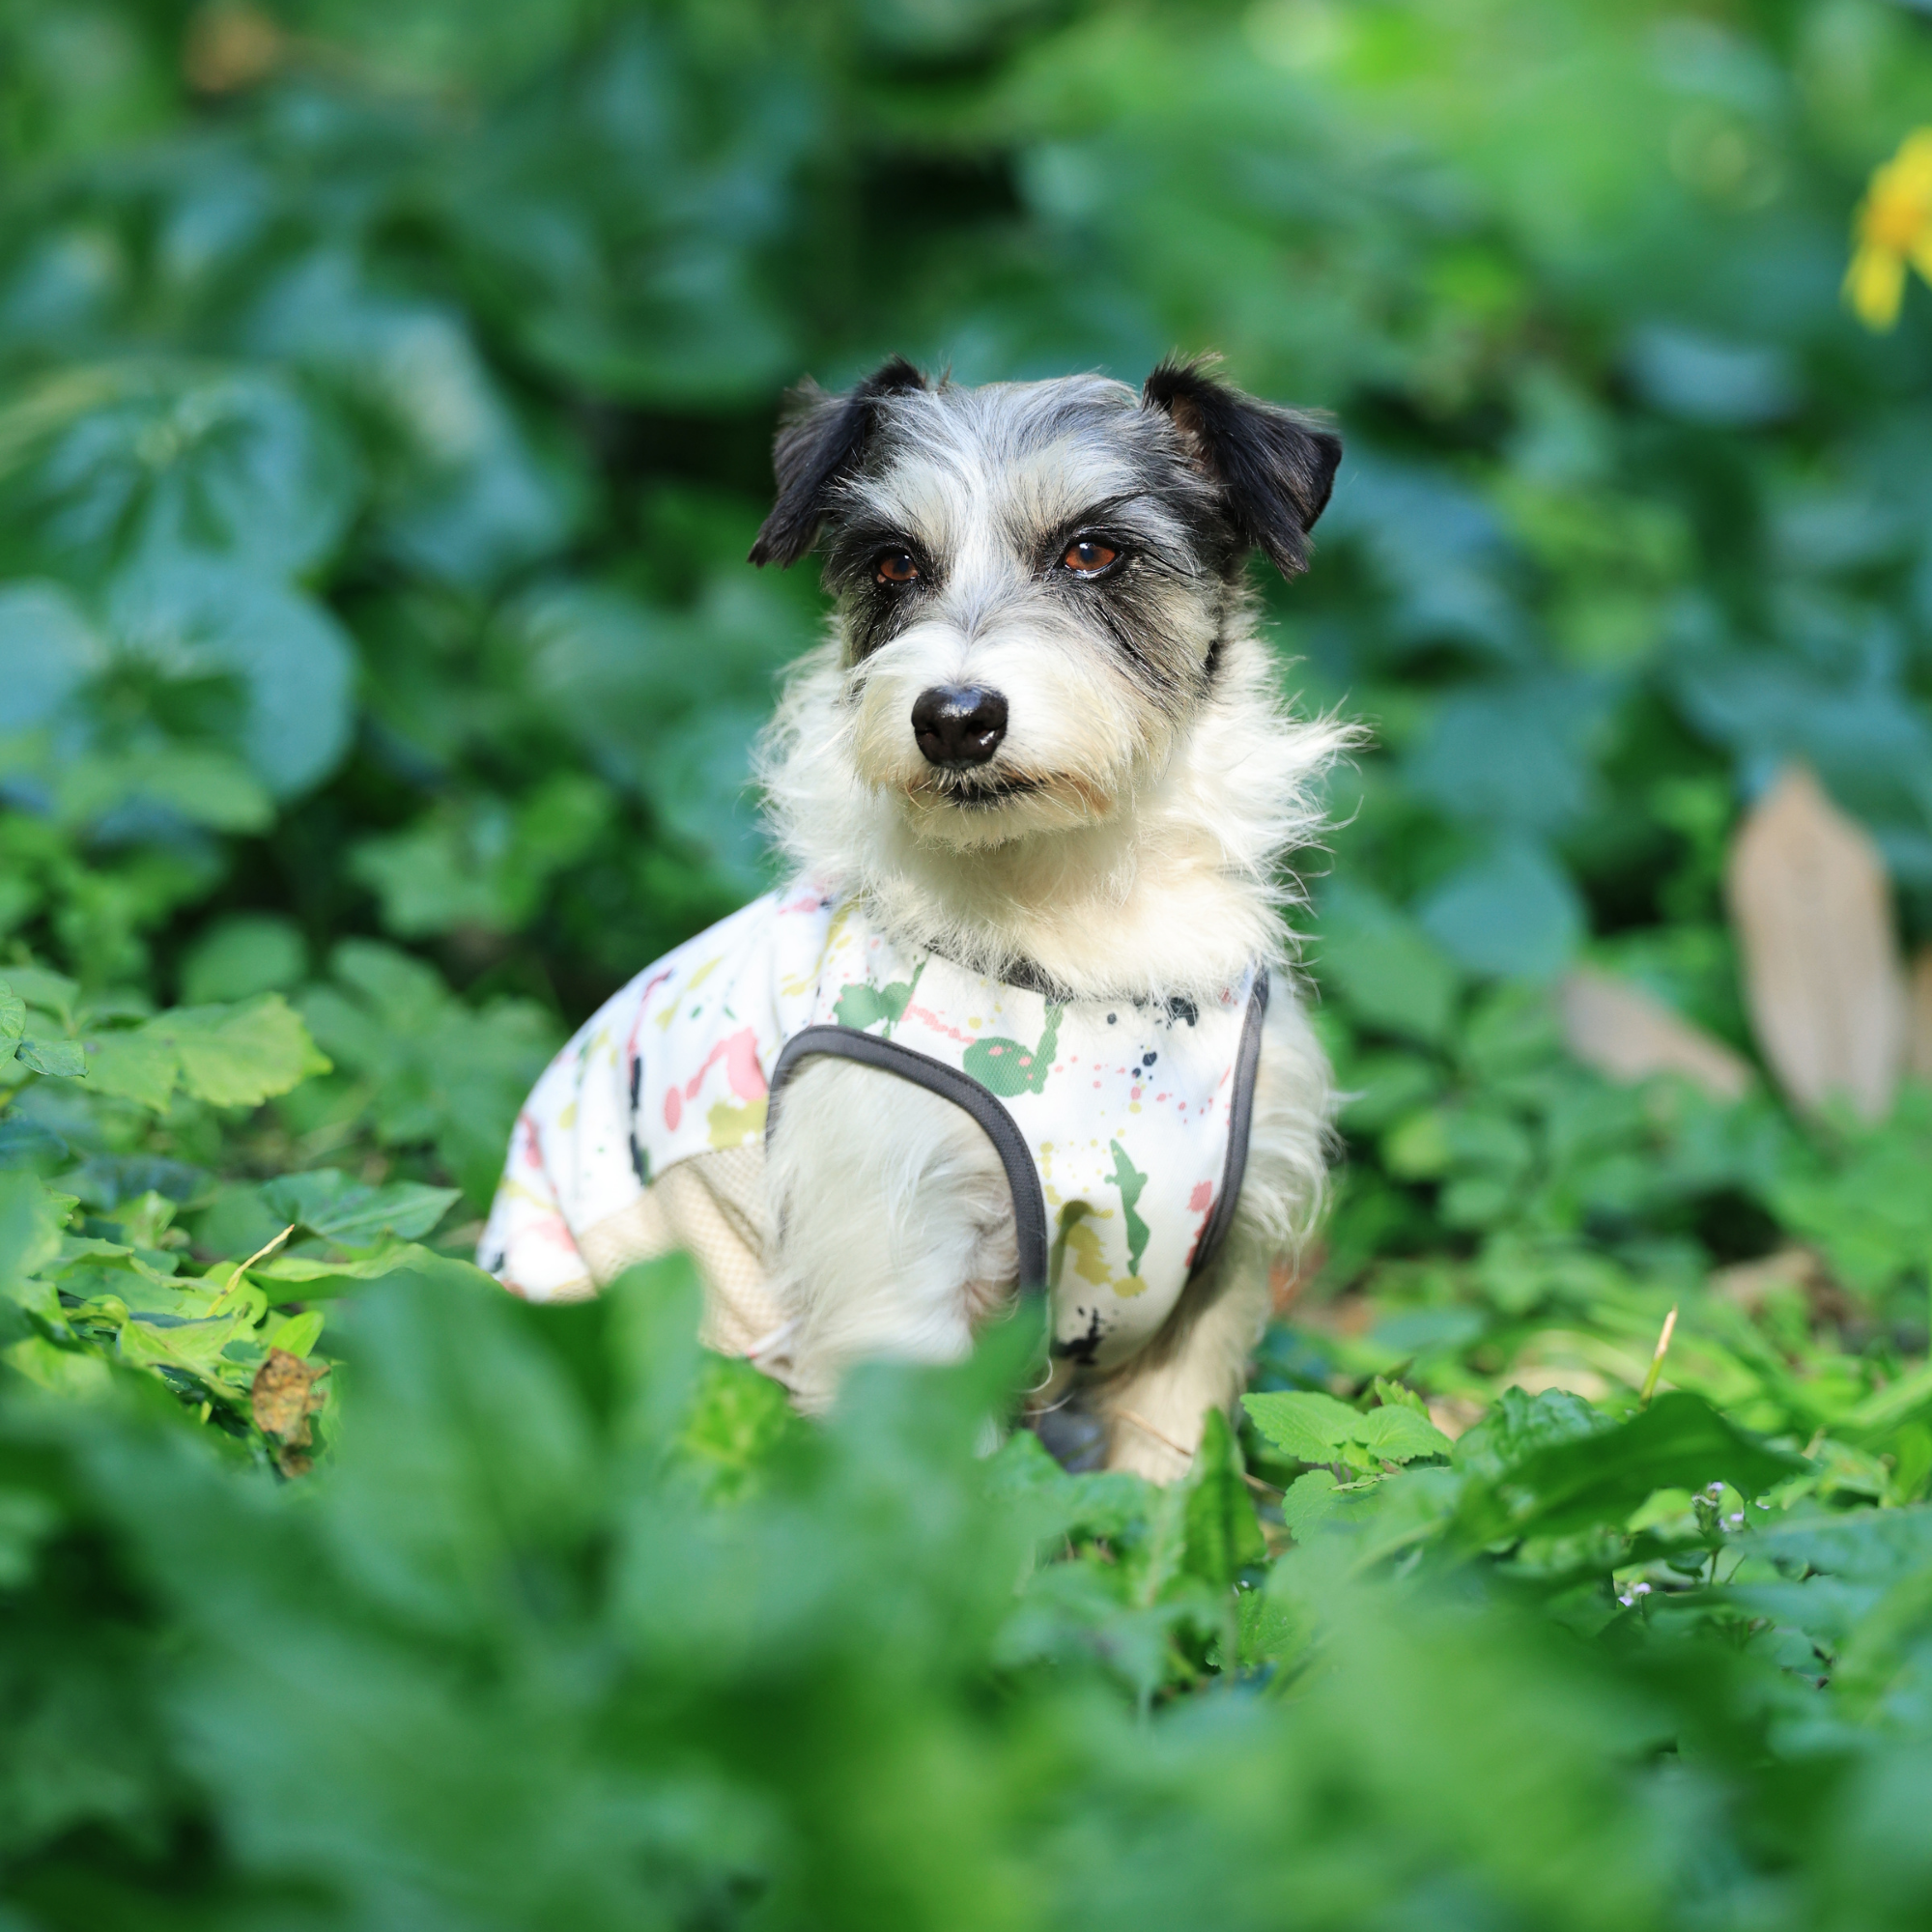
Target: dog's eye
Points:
(894, 566)
(1089, 556)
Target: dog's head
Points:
(1035, 579)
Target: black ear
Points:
(1275, 469)
(818, 441)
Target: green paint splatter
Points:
(862, 1004)
(1007, 1068)
(1129, 1179)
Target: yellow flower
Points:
(1894, 228)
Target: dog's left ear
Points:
(819, 439)
(1275, 469)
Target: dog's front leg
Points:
(893, 1225)
(1154, 1407)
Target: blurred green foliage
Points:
(386, 397)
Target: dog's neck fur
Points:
(1173, 894)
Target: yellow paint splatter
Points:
(1082, 1243)
(731, 1126)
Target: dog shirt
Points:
(1121, 1127)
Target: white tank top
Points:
(1122, 1127)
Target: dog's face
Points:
(1033, 579)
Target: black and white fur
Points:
(1125, 840)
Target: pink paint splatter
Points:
(1199, 1203)
(739, 1051)
(931, 1020)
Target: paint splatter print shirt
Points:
(1125, 1109)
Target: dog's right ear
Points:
(819, 439)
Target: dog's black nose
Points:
(958, 724)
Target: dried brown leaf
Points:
(283, 1396)
(1811, 906)
(1627, 1034)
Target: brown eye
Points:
(1089, 556)
(894, 566)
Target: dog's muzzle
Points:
(958, 724)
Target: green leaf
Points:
(353, 1214)
(1310, 1499)
(148, 458)
(287, 654)
(66, 1058)
(240, 1056)
(135, 1064)
(1519, 1425)
(1303, 1423)
(1390, 1393)
(1513, 913)
(1397, 1434)
(1679, 1442)
(299, 1334)
(1391, 975)
(51, 992)
(29, 1240)
(49, 651)
(1223, 1536)
(13, 1014)
(237, 958)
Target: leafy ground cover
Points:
(384, 399)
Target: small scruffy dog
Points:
(1025, 1018)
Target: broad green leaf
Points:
(1392, 975)
(51, 992)
(349, 1211)
(1303, 1423)
(1397, 1434)
(204, 785)
(299, 1334)
(30, 1241)
(134, 1065)
(49, 651)
(1679, 1442)
(197, 1347)
(13, 1015)
(290, 657)
(1310, 1499)
(74, 1373)
(1514, 913)
(66, 1058)
(241, 956)
(1519, 1425)
(146, 459)
(1223, 1535)
(240, 1056)
(308, 1277)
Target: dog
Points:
(1026, 1017)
